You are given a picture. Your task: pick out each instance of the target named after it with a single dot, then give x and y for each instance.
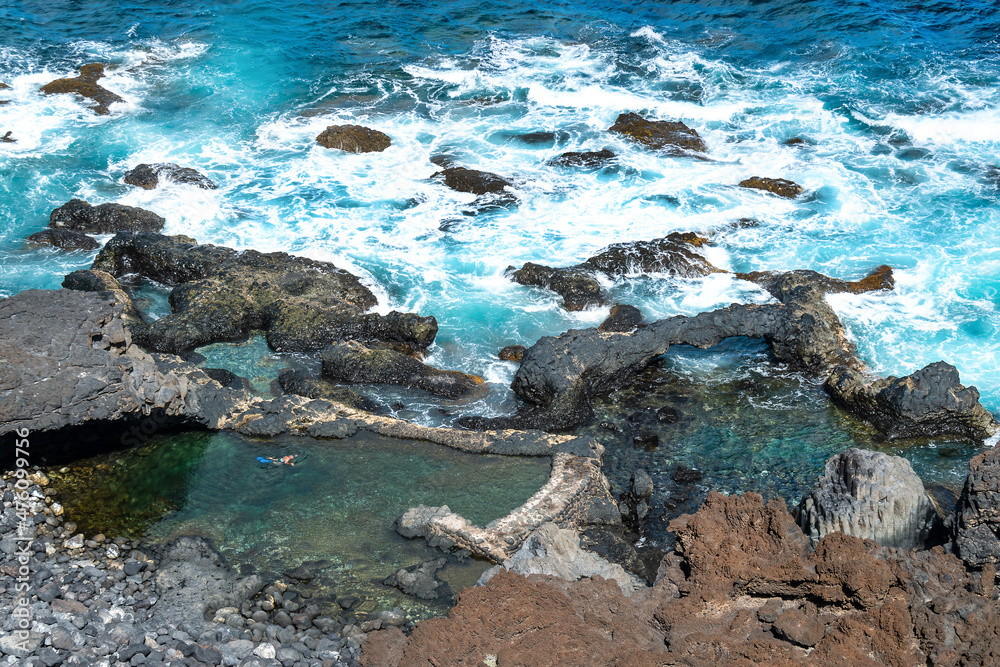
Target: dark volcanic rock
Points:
(872, 496)
(589, 159)
(80, 216)
(782, 283)
(147, 176)
(354, 139)
(63, 238)
(737, 567)
(622, 318)
(512, 353)
(222, 295)
(420, 580)
(977, 516)
(671, 136)
(85, 84)
(7, 139)
(301, 384)
(675, 254)
(777, 186)
(352, 362)
(928, 402)
(472, 181)
(66, 358)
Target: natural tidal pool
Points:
(745, 424)
(333, 511)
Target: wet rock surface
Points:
(147, 176)
(85, 84)
(673, 137)
(65, 239)
(67, 359)
(928, 402)
(586, 159)
(622, 318)
(776, 186)
(740, 587)
(353, 363)
(977, 515)
(222, 295)
(472, 181)
(354, 139)
(873, 496)
(675, 254)
(80, 216)
(300, 383)
(512, 353)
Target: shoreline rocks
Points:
(353, 139)
(80, 216)
(85, 84)
(976, 522)
(147, 177)
(64, 239)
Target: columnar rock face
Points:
(872, 496)
(929, 402)
(147, 176)
(977, 516)
(354, 139)
(85, 84)
(80, 216)
(67, 359)
(672, 137)
(222, 295)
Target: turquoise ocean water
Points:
(898, 104)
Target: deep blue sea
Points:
(898, 103)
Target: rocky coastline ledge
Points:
(746, 582)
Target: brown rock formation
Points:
(85, 84)
(354, 139)
(777, 186)
(673, 137)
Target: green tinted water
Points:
(334, 510)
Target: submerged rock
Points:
(671, 136)
(147, 176)
(354, 139)
(929, 402)
(872, 496)
(222, 295)
(301, 384)
(352, 362)
(472, 181)
(778, 186)
(622, 318)
(588, 159)
(675, 254)
(80, 216)
(65, 239)
(977, 515)
(419, 580)
(85, 84)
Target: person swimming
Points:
(288, 459)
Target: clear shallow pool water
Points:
(334, 510)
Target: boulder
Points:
(512, 353)
(147, 176)
(778, 186)
(221, 294)
(354, 139)
(586, 159)
(352, 362)
(419, 580)
(556, 551)
(78, 215)
(85, 84)
(672, 137)
(930, 402)
(622, 318)
(675, 254)
(976, 523)
(6, 138)
(870, 495)
(472, 181)
(65, 239)
(301, 384)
